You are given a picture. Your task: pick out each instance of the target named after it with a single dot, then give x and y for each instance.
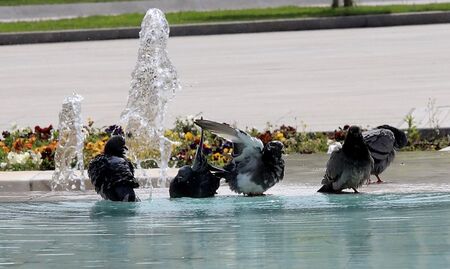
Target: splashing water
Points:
(69, 167)
(154, 83)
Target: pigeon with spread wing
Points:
(255, 167)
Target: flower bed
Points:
(28, 149)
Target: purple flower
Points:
(207, 150)
(6, 134)
(193, 145)
(227, 144)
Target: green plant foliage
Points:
(187, 17)
(416, 142)
(412, 132)
(27, 149)
(50, 2)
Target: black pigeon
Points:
(112, 174)
(350, 166)
(197, 181)
(383, 141)
(255, 167)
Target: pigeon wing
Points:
(380, 143)
(241, 140)
(130, 165)
(335, 167)
(200, 163)
(98, 171)
(400, 137)
(121, 171)
(247, 152)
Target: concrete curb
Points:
(22, 181)
(234, 27)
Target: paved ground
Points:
(321, 78)
(88, 9)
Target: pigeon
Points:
(350, 166)
(382, 142)
(112, 174)
(255, 167)
(197, 181)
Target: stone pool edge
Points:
(22, 181)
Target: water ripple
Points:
(373, 229)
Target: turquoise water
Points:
(309, 230)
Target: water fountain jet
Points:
(69, 166)
(154, 83)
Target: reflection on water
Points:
(311, 231)
(108, 209)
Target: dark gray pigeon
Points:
(382, 142)
(197, 181)
(255, 167)
(349, 166)
(112, 174)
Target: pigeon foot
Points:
(328, 189)
(254, 194)
(379, 180)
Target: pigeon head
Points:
(400, 137)
(354, 132)
(116, 146)
(184, 174)
(353, 137)
(354, 143)
(179, 186)
(273, 150)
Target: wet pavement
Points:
(411, 172)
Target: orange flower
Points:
(18, 145)
(206, 145)
(28, 145)
(5, 149)
(53, 145)
(32, 139)
(265, 137)
(90, 146)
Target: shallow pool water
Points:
(294, 227)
